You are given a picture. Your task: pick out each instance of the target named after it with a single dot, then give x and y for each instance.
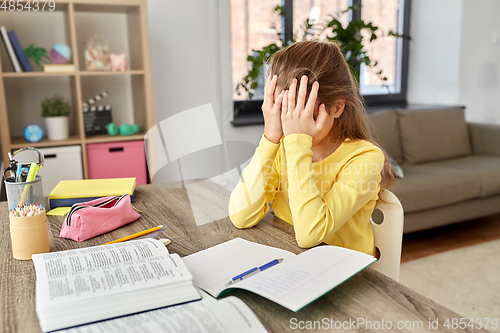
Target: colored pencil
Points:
(141, 233)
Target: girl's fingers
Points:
(311, 102)
(322, 116)
(269, 89)
(301, 101)
(279, 99)
(284, 104)
(291, 94)
(268, 80)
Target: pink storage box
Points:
(117, 160)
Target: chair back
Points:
(388, 234)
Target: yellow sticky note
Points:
(59, 211)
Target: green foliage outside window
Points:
(350, 39)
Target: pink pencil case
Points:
(89, 219)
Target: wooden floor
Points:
(428, 242)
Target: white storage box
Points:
(61, 163)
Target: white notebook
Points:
(294, 283)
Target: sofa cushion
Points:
(486, 168)
(485, 138)
(384, 128)
(432, 135)
(426, 187)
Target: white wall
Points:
(480, 60)
(191, 56)
(434, 57)
(453, 56)
(184, 55)
(191, 61)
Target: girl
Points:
(316, 160)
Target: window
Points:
(254, 24)
(318, 11)
(385, 50)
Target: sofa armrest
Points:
(485, 138)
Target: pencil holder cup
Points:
(26, 193)
(29, 235)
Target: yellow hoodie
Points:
(327, 201)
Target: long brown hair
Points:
(325, 63)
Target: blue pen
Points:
(253, 271)
(18, 172)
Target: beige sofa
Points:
(451, 168)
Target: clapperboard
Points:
(96, 117)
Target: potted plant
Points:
(56, 110)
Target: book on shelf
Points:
(80, 286)
(68, 192)
(294, 283)
(55, 68)
(10, 50)
(18, 49)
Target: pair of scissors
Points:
(15, 168)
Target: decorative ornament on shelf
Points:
(60, 54)
(96, 117)
(119, 62)
(96, 54)
(125, 129)
(33, 133)
(56, 111)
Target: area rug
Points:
(465, 280)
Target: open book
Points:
(294, 283)
(208, 315)
(76, 287)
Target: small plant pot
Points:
(57, 128)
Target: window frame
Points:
(249, 111)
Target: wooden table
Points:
(368, 295)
